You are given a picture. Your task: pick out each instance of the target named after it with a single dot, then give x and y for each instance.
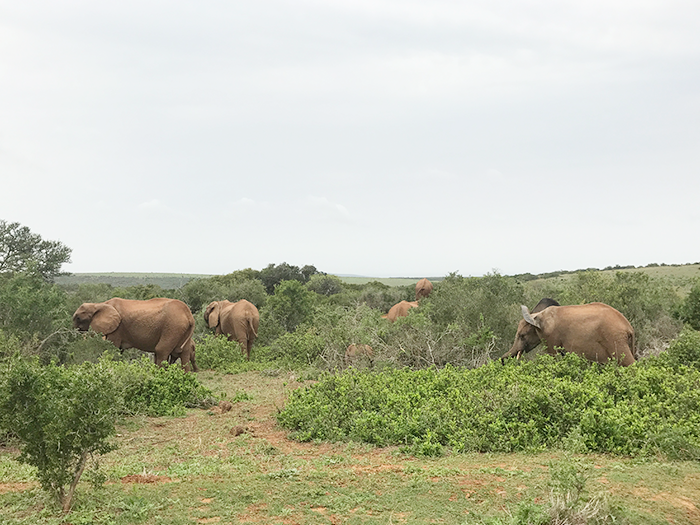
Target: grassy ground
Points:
(239, 467)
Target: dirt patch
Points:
(146, 478)
(16, 487)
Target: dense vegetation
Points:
(549, 402)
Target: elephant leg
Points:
(185, 361)
(163, 352)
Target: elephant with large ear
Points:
(400, 310)
(594, 331)
(423, 288)
(161, 326)
(239, 321)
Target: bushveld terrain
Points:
(391, 440)
(241, 467)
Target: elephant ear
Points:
(529, 319)
(212, 314)
(106, 319)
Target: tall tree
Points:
(24, 251)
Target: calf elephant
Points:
(358, 353)
(594, 331)
(400, 310)
(161, 326)
(423, 288)
(239, 321)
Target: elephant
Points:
(161, 326)
(594, 331)
(356, 353)
(400, 310)
(423, 288)
(177, 354)
(239, 321)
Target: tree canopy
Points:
(24, 251)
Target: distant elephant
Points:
(423, 288)
(594, 331)
(161, 326)
(400, 310)
(356, 353)
(239, 321)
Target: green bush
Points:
(291, 305)
(685, 350)
(324, 284)
(218, 353)
(547, 402)
(29, 306)
(157, 390)
(61, 417)
(475, 304)
(689, 310)
(303, 346)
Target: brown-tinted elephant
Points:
(161, 326)
(594, 331)
(239, 321)
(400, 310)
(358, 353)
(423, 288)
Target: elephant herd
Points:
(165, 328)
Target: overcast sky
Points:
(370, 137)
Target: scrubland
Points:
(433, 429)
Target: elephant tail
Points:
(251, 327)
(189, 335)
(632, 344)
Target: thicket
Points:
(564, 402)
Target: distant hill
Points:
(167, 281)
(682, 273)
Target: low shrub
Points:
(685, 350)
(548, 402)
(157, 390)
(216, 352)
(61, 416)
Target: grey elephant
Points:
(239, 321)
(161, 326)
(594, 331)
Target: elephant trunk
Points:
(513, 352)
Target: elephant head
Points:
(101, 317)
(212, 313)
(529, 329)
